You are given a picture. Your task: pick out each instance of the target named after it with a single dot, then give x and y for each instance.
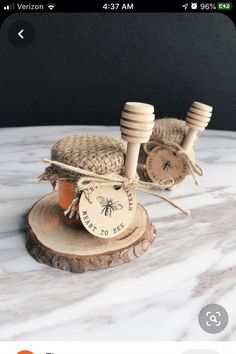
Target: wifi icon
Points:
(51, 6)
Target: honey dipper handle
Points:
(189, 140)
(198, 118)
(131, 160)
(136, 124)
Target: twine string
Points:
(193, 167)
(90, 179)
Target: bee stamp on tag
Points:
(106, 211)
(162, 163)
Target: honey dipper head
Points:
(137, 121)
(198, 116)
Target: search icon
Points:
(213, 318)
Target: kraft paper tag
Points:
(162, 163)
(105, 211)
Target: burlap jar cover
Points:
(168, 133)
(102, 155)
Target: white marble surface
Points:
(156, 297)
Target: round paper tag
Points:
(108, 211)
(162, 163)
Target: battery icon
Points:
(224, 6)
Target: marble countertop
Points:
(158, 296)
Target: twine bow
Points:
(91, 179)
(194, 168)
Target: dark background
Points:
(81, 68)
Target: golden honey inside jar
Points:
(101, 155)
(66, 194)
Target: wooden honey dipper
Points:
(136, 125)
(198, 118)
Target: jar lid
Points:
(99, 154)
(171, 129)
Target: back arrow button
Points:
(20, 34)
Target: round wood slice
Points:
(50, 241)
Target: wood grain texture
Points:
(55, 244)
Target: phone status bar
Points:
(131, 6)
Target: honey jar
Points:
(102, 155)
